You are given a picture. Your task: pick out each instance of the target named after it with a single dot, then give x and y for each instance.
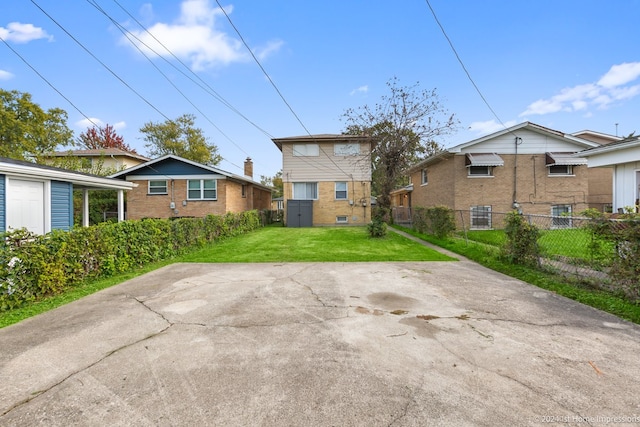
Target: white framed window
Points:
(341, 219)
(346, 149)
(481, 216)
(341, 190)
(561, 216)
(555, 170)
(157, 187)
(202, 189)
(480, 171)
(423, 177)
(306, 150)
(305, 190)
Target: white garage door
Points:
(25, 205)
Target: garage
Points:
(27, 208)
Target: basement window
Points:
(342, 219)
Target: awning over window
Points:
(484, 159)
(564, 159)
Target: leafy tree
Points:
(275, 182)
(182, 138)
(404, 125)
(26, 130)
(103, 137)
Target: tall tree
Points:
(182, 138)
(103, 137)
(405, 126)
(26, 130)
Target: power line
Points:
(100, 62)
(48, 82)
(455, 52)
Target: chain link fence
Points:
(568, 245)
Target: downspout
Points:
(516, 205)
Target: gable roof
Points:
(80, 180)
(613, 146)
(323, 137)
(580, 143)
(191, 169)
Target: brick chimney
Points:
(248, 168)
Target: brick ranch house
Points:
(171, 187)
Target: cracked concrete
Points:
(319, 344)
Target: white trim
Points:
(174, 177)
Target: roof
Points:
(614, 146)
(458, 149)
(98, 152)
(207, 168)
(323, 137)
(80, 180)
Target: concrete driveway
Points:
(321, 344)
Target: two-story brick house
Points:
(171, 186)
(526, 167)
(326, 179)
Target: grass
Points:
(269, 244)
(317, 244)
(568, 242)
(489, 256)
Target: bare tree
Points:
(405, 126)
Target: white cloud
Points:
(489, 126)
(609, 89)
(89, 123)
(120, 125)
(361, 89)
(23, 33)
(194, 37)
(5, 75)
(620, 74)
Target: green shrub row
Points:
(34, 266)
(438, 221)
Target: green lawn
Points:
(568, 242)
(317, 244)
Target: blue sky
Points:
(569, 65)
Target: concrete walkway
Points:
(320, 344)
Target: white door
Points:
(25, 205)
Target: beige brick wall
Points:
(327, 208)
(449, 185)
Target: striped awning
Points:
(564, 159)
(484, 159)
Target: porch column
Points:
(85, 207)
(120, 205)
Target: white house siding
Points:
(326, 166)
(532, 143)
(626, 182)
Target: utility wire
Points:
(100, 62)
(455, 52)
(48, 82)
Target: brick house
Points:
(171, 186)
(528, 167)
(326, 179)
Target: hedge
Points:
(35, 266)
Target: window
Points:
(480, 171)
(202, 189)
(305, 190)
(157, 187)
(342, 219)
(560, 216)
(303, 150)
(341, 190)
(481, 216)
(346, 149)
(423, 176)
(560, 170)
(244, 190)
